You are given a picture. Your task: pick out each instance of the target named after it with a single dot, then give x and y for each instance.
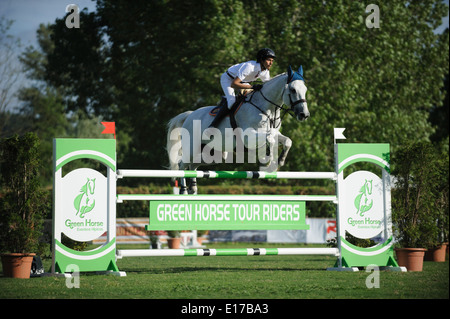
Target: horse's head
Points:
(295, 93)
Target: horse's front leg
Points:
(255, 141)
(192, 189)
(183, 188)
(272, 143)
(268, 147)
(286, 143)
(193, 186)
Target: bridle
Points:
(277, 107)
(296, 102)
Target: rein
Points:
(277, 107)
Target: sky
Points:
(28, 14)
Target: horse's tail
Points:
(173, 146)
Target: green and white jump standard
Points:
(84, 205)
(85, 208)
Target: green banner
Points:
(227, 215)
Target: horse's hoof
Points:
(273, 167)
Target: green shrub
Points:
(421, 182)
(24, 203)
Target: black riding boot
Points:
(223, 111)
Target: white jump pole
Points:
(224, 174)
(226, 252)
(170, 197)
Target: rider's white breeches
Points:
(225, 82)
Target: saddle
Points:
(240, 99)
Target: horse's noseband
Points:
(296, 102)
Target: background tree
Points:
(140, 63)
(47, 106)
(10, 77)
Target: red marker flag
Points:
(110, 128)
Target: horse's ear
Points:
(300, 70)
(290, 74)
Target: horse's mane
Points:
(272, 80)
(268, 82)
(275, 77)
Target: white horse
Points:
(258, 118)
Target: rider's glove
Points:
(257, 87)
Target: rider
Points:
(238, 77)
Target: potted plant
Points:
(174, 239)
(153, 239)
(200, 235)
(22, 206)
(414, 215)
(437, 253)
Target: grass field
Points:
(254, 277)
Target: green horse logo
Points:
(85, 202)
(363, 202)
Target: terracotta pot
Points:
(174, 243)
(17, 265)
(411, 258)
(436, 254)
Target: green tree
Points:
(379, 83)
(77, 65)
(10, 77)
(43, 105)
(439, 118)
(142, 62)
(161, 58)
(47, 107)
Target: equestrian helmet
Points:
(264, 54)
